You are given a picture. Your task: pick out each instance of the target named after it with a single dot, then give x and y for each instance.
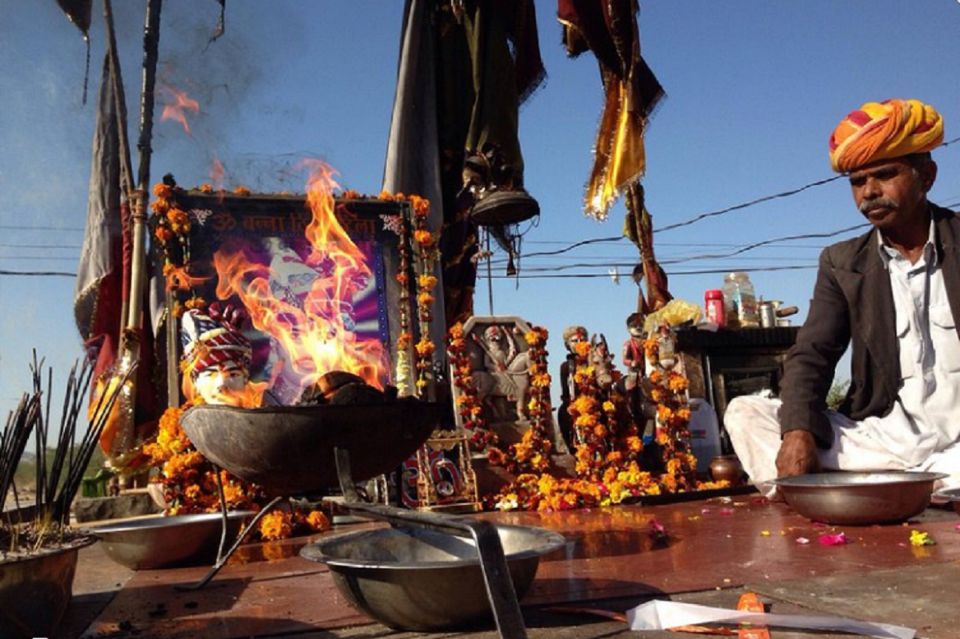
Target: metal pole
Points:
(151, 41)
(489, 273)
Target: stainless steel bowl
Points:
(420, 579)
(289, 449)
(162, 542)
(951, 495)
(859, 498)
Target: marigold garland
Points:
(171, 229)
(468, 403)
(426, 256)
(669, 392)
(189, 485)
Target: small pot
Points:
(727, 467)
(36, 589)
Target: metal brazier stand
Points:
(279, 449)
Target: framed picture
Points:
(334, 283)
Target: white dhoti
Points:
(875, 443)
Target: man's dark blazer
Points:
(853, 300)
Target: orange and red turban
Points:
(884, 130)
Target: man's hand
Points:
(798, 454)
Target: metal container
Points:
(951, 495)
(289, 449)
(859, 498)
(768, 315)
(36, 588)
(421, 579)
(161, 542)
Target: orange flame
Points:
(250, 396)
(176, 104)
(314, 335)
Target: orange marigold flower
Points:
(423, 237)
(159, 206)
(634, 444)
(496, 456)
(403, 340)
(161, 190)
(402, 278)
(276, 525)
(677, 383)
(664, 413)
(318, 521)
(195, 302)
(457, 331)
(242, 190)
(425, 347)
(424, 299)
(206, 188)
(582, 349)
(350, 194)
(541, 380)
(163, 234)
(656, 377)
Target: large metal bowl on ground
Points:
(420, 579)
(162, 542)
(289, 449)
(859, 498)
(951, 495)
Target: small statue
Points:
(505, 370)
(635, 384)
(572, 335)
(602, 361)
(216, 355)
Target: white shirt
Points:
(929, 351)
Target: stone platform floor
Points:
(715, 550)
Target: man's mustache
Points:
(878, 203)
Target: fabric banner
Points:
(99, 288)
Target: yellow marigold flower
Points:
(426, 281)
(609, 407)
(634, 444)
(920, 538)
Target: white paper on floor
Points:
(662, 615)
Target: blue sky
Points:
(754, 89)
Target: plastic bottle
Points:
(714, 306)
(740, 301)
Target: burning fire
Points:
(315, 331)
(176, 104)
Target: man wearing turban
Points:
(894, 294)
